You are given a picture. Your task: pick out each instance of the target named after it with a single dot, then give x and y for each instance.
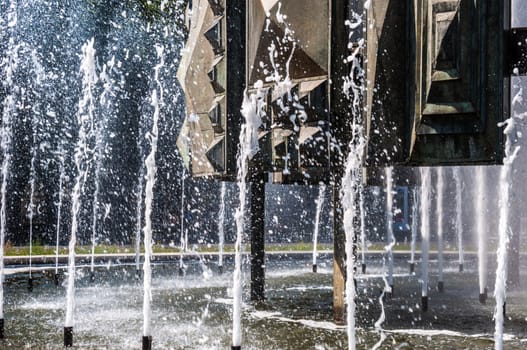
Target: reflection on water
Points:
(194, 311)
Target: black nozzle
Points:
(56, 277)
(30, 284)
(92, 277)
(363, 268)
(68, 337)
(412, 268)
(147, 342)
(483, 297)
(315, 268)
(461, 268)
(424, 303)
(220, 269)
(441, 286)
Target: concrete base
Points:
(461, 268)
(363, 269)
(483, 297)
(147, 342)
(68, 337)
(412, 268)
(441, 286)
(424, 304)
(314, 268)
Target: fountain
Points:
(296, 313)
(61, 157)
(512, 134)
(252, 111)
(9, 64)
(362, 210)
(425, 234)
(85, 118)
(481, 232)
(440, 223)
(320, 203)
(390, 238)
(182, 230)
(459, 217)
(221, 226)
(151, 168)
(415, 221)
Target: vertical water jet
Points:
(512, 134)
(459, 217)
(62, 174)
(85, 117)
(252, 112)
(481, 232)
(415, 221)
(390, 238)
(439, 215)
(425, 234)
(8, 111)
(320, 203)
(221, 226)
(151, 169)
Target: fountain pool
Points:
(194, 311)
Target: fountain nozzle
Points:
(220, 269)
(461, 268)
(30, 284)
(147, 342)
(424, 303)
(68, 337)
(412, 268)
(315, 268)
(483, 297)
(441, 286)
(92, 277)
(237, 347)
(1, 328)
(57, 279)
(363, 268)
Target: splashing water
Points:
(351, 181)
(481, 229)
(35, 123)
(512, 133)
(151, 169)
(85, 122)
(459, 216)
(390, 238)
(221, 225)
(320, 203)
(253, 109)
(425, 229)
(439, 214)
(100, 127)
